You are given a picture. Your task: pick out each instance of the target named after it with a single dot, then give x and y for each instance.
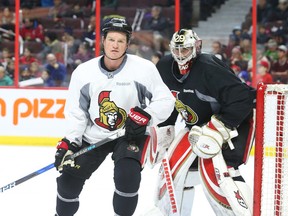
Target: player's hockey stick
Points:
(50, 166)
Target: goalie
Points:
(218, 112)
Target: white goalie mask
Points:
(184, 46)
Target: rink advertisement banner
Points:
(31, 117)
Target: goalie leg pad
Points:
(180, 157)
(223, 189)
(192, 179)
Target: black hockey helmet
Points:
(117, 24)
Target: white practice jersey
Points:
(98, 101)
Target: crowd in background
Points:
(61, 47)
(272, 41)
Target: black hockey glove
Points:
(136, 123)
(63, 154)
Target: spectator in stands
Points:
(263, 74)
(156, 57)
(32, 31)
(83, 54)
(10, 68)
(264, 9)
(271, 50)
(71, 43)
(77, 11)
(27, 57)
(262, 36)
(237, 32)
(51, 45)
(246, 48)
(281, 34)
(56, 70)
(157, 23)
(218, 50)
(35, 69)
(5, 80)
(232, 42)
(47, 81)
(7, 23)
(236, 56)
(7, 18)
(5, 57)
(59, 9)
(280, 13)
(89, 35)
(279, 69)
(25, 73)
(243, 75)
(260, 57)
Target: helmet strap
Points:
(115, 58)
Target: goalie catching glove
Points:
(136, 123)
(207, 141)
(65, 150)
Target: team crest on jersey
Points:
(111, 117)
(185, 111)
(133, 147)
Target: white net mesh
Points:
(274, 187)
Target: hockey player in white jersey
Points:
(105, 94)
(218, 112)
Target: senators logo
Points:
(111, 117)
(185, 111)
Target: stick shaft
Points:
(50, 166)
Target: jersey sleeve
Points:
(236, 98)
(75, 111)
(162, 102)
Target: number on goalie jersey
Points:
(204, 86)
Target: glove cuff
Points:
(65, 144)
(139, 116)
(219, 126)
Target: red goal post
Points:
(271, 151)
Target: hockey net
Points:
(271, 151)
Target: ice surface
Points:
(37, 196)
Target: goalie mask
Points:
(185, 46)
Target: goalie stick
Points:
(50, 166)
